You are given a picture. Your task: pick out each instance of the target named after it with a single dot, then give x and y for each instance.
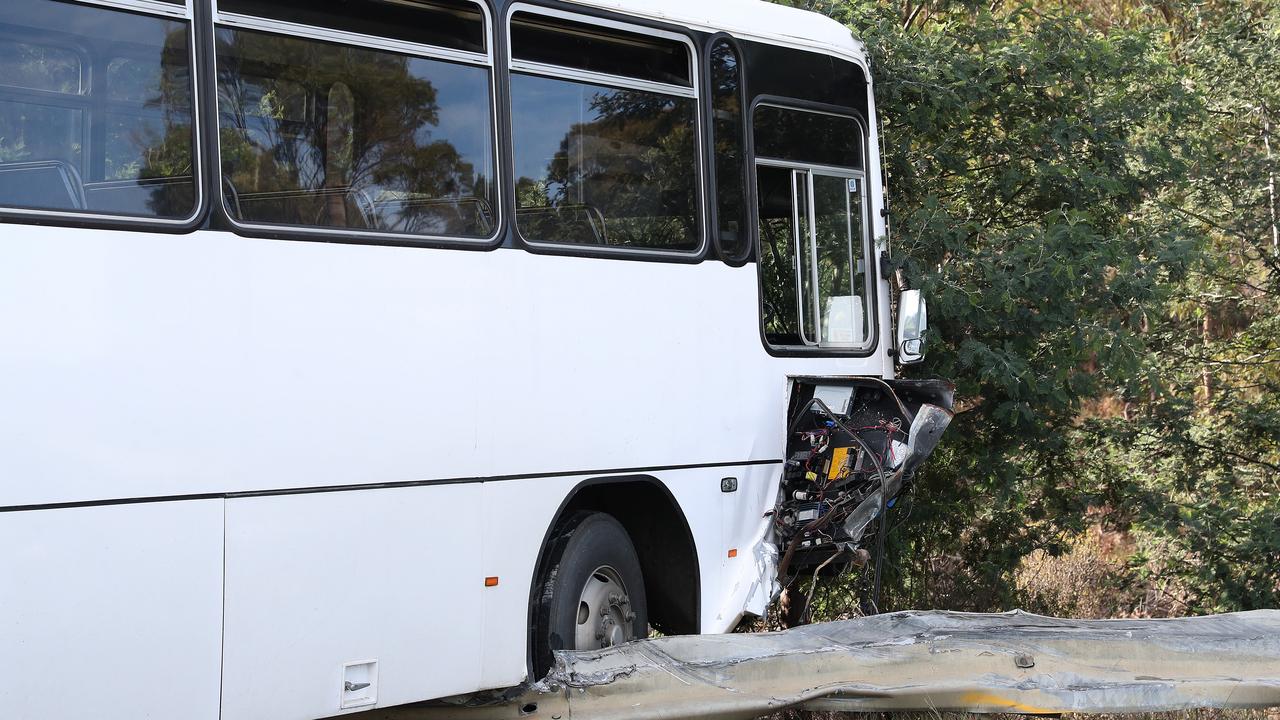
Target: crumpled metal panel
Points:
(1010, 662)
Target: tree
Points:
(1086, 198)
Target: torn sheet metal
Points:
(1010, 662)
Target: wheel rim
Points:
(605, 617)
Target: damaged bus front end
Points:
(854, 446)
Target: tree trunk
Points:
(791, 606)
(1207, 329)
(1271, 185)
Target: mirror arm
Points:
(887, 273)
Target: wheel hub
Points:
(605, 617)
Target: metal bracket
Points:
(886, 264)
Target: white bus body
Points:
(243, 471)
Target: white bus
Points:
(361, 353)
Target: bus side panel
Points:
(111, 613)
(747, 579)
(724, 522)
(149, 365)
(517, 516)
(319, 581)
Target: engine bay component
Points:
(853, 447)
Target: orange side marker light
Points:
(491, 582)
(733, 552)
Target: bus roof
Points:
(749, 19)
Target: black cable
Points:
(881, 532)
(908, 497)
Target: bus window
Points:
(325, 135)
(84, 128)
(592, 48)
(813, 230)
(808, 137)
(450, 24)
(836, 296)
(811, 258)
(779, 228)
(604, 160)
(730, 158)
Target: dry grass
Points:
(1095, 579)
(1089, 581)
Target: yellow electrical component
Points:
(840, 459)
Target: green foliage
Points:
(1084, 197)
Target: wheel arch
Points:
(663, 541)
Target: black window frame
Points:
(488, 60)
(874, 279)
(188, 12)
(746, 166)
(626, 23)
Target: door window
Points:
(812, 264)
(837, 263)
(816, 290)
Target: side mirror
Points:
(913, 320)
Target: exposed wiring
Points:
(824, 519)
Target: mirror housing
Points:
(913, 320)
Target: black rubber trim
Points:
(373, 486)
(746, 167)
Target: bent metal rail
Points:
(1013, 662)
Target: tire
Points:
(591, 592)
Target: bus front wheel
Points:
(592, 590)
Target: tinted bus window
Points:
(604, 166)
(810, 137)
(565, 43)
(603, 163)
(95, 111)
(783, 71)
(453, 24)
(730, 157)
(325, 135)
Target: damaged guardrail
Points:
(1011, 662)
